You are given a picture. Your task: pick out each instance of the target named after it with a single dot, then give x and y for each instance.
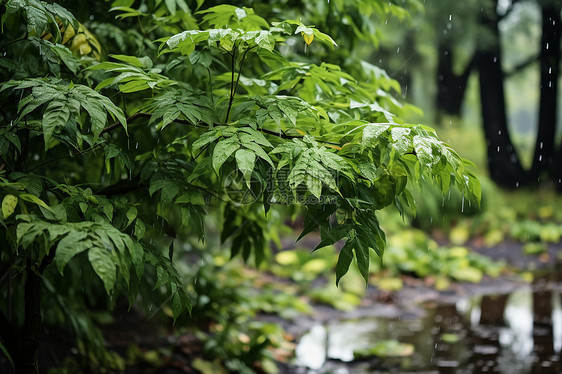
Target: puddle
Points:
(516, 333)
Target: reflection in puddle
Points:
(519, 333)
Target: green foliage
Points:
(109, 165)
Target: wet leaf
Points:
(103, 265)
(9, 204)
(386, 348)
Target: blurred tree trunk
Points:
(451, 86)
(503, 162)
(544, 158)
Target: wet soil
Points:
(502, 324)
(417, 313)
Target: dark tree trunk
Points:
(451, 87)
(503, 162)
(545, 149)
(23, 342)
(25, 346)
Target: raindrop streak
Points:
(462, 204)
(546, 45)
(398, 50)
(450, 17)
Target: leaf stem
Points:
(231, 85)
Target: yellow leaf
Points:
(68, 33)
(9, 205)
(85, 49)
(334, 147)
(308, 38)
(78, 41)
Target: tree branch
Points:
(77, 153)
(121, 187)
(118, 124)
(522, 66)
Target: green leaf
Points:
(137, 255)
(332, 235)
(245, 161)
(55, 117)
(69, 246)
(223, 150)
(131, 215)
(34, 199)
(103, 265)
(316, 216)
(344, 261)
(9, 204)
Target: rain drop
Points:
(462, 204)
(398, 50)
(495, 59)
(516, 184)
(549, 84)
(559, 180)
(541, 144)
(546, 45)
(137, 145)
(450, 17)
(499, 132)
(540, 158)
(498, 149)
(550, 70)
(386, 22)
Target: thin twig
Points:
(12, 42)
(78, 153)
(241, 66)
